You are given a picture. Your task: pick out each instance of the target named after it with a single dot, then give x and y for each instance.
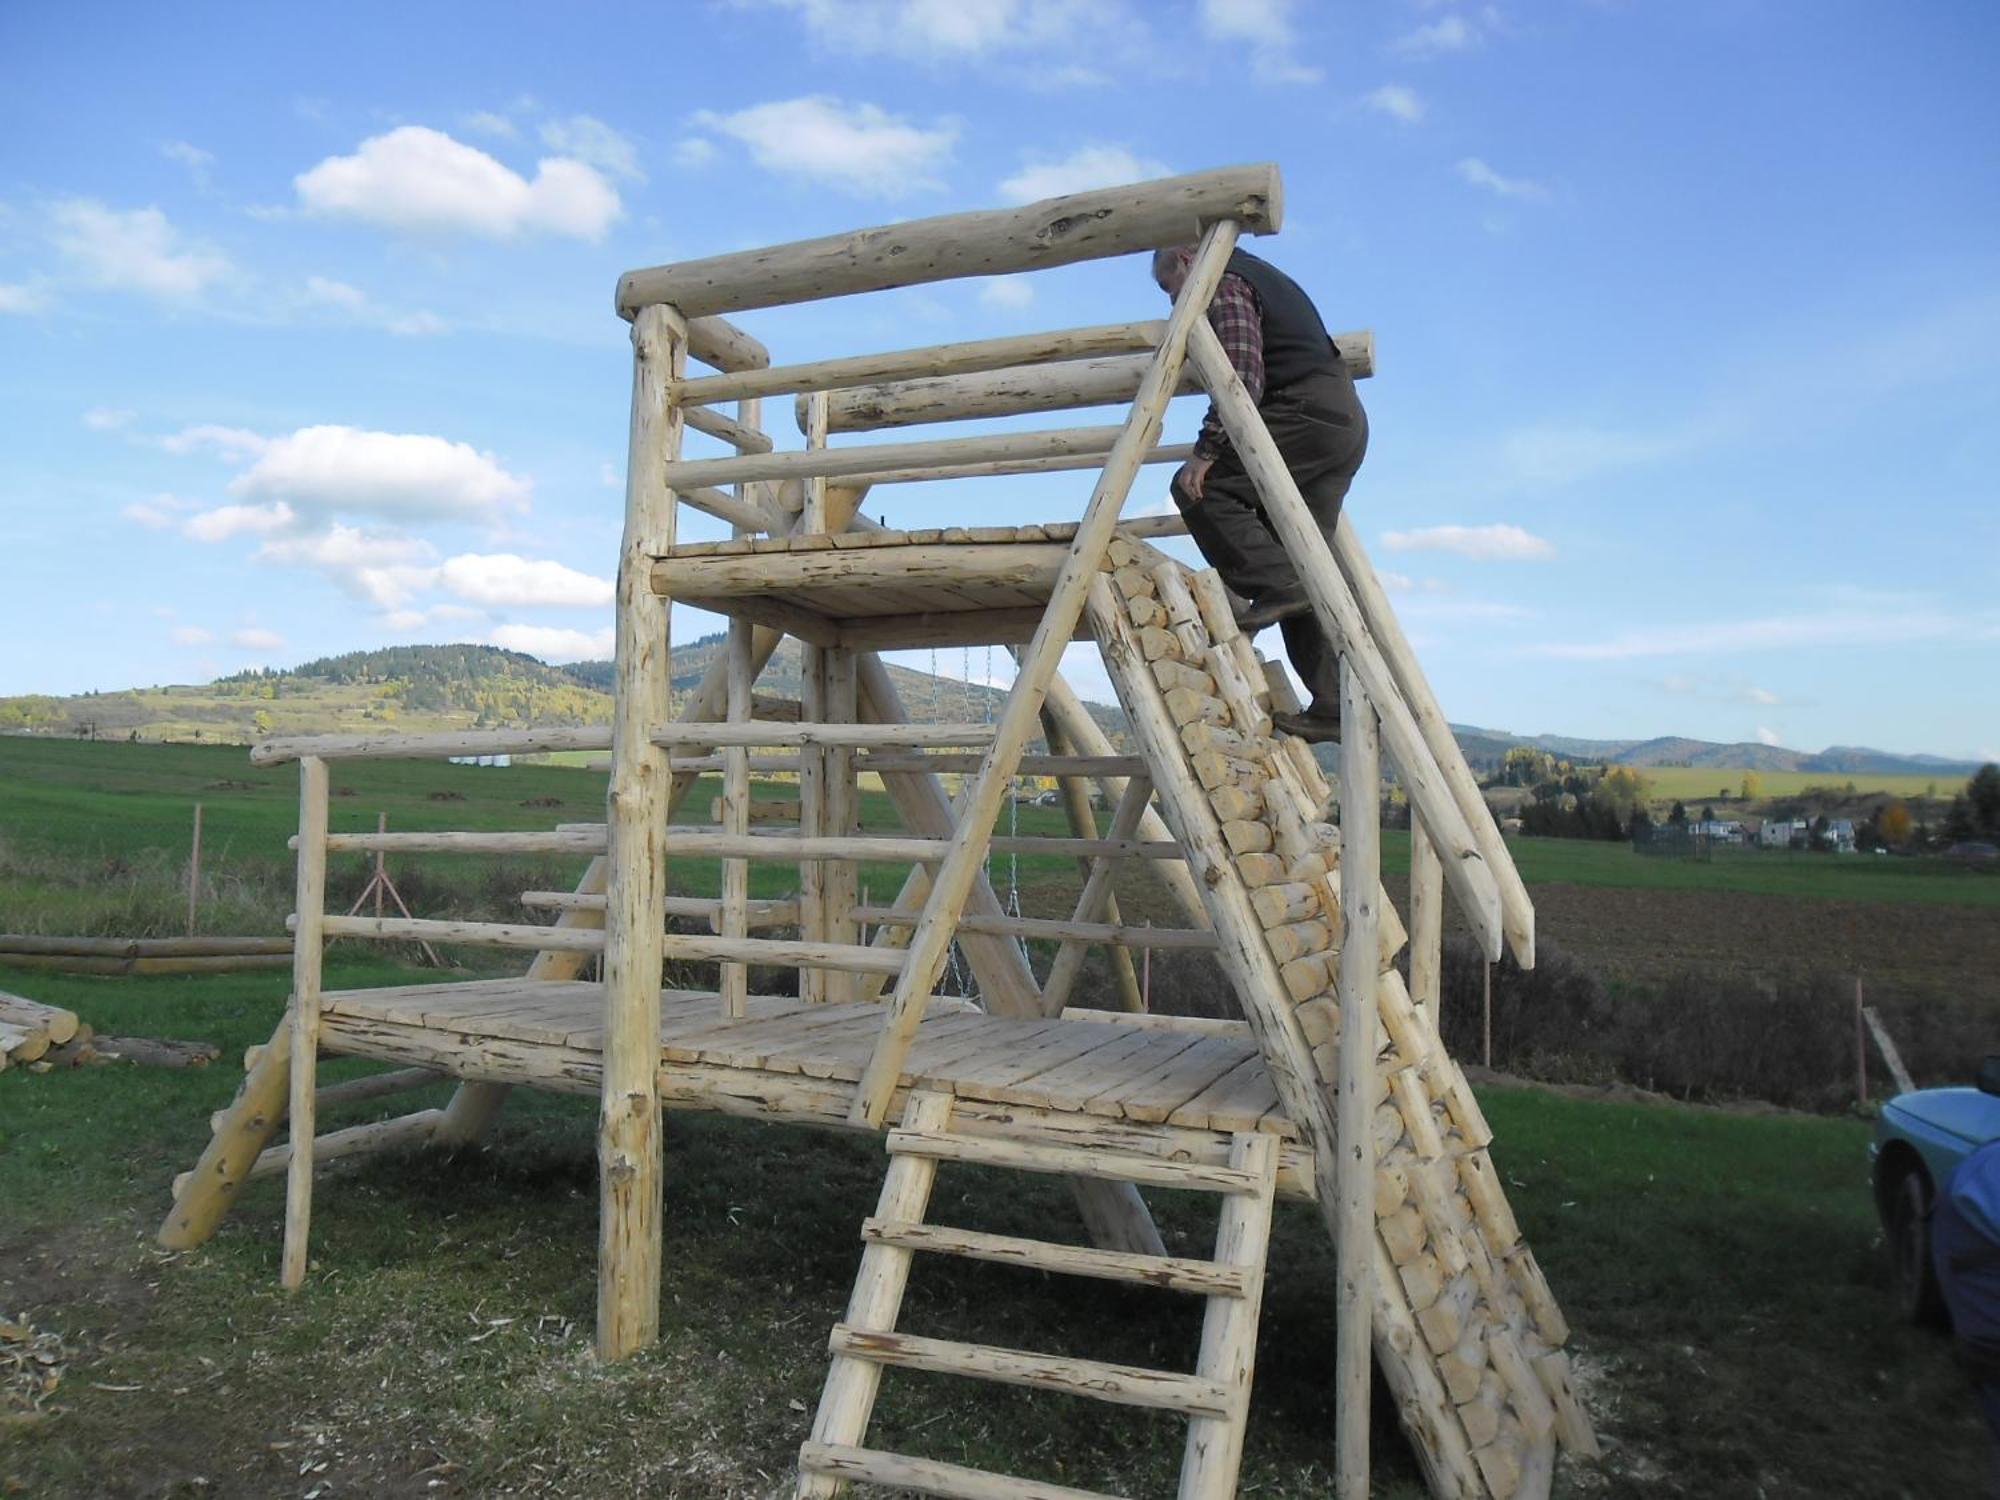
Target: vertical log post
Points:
(307, 956)
(194, 871)
(1426, 921)
(842, 884)
(735, 977)
(813, 760)
(1354, 1107)
(629, 1144)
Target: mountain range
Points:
(473, 686)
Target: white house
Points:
(1784, 833)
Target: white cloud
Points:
(1086, 167)
(1768, 736)
(386, 569)
(1762, 696)
(137, 250)
(232, 443)
(1396, 101)
(1835, 627)
(190, 635)
(1011, 292)
(589, 139)
(859, 149)
(197, 161)
(226, 521)
(1498, 542)
(107, 418)
(502, 579)
(335, 293)
(694, 152)
(1447, 34)
(17, 298)
(253, 638)
(487, 122)
(419, 180)
(401, 476)
(1265, 26)
(1480, 175)
(555, 642)
(966, 31)
(157, 514)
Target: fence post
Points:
(1860, 1047)
(194, 871)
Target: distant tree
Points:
(1721, 796)
(1893, 823)
(1708, 813)
(261, 722)
(1982, 795)
(1753, 786)
(1679, 814)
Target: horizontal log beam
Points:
(1031, 765)
(930, 361)
(839, 463)
(723, 733)
(1053, 929)
(721, 345)
(1107, 381)
(1011, 565)
(727, 429)
(1035, 236)
(276, 752)
(759, 913)
(1171, 453)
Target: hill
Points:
(1486, 746)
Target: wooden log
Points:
(1083, 824)
(356, 1140)
(747, 514)
(22, 1044)
(893, 458)
(1466, 867)
(58, 1024)
(727, 429)
(308, 953)
(931, 361)
(1110, 380)
(196, 947)
(629, 1140)
(1055, 929)
(1360, 896)
(438, 746)
(1426, 922)
(834, 1464)
(1027, 463)
(1147, 1020)
(1039, 663)
(1099, 768)
(1016, 1156)
(733, 983)
(1205, 1278)
(1572, 1423)
(1229, 1331)
(721, 345)
(848, 1397)
(852, 736)
(1052, 232)
(377, 1086)
(1093, 901)
(582, 838)
(1414, 689)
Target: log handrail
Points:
(1036, 236)
(439, 746)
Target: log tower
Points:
(1333, 1087)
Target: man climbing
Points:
(1281, 351)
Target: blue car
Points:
(1920, 1138)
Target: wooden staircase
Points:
(1215, 1398)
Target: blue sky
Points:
(1688, 315)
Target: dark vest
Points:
(1296, 343)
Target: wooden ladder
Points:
(1215, 1398)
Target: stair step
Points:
(1173, 1273)
(1075, 1161)
(1124, 1385)
(927, 1476)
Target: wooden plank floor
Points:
(1097, 1068)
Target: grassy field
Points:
(1721, 1273)
(1695, 785)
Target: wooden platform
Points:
(868, 588)
(1066, 1081)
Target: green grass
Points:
(1696, 785)
(1720, 1272)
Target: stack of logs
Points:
(190, 955)
(1466, 1327)
(31, 1032)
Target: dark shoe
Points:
(1312, 726)
(1270, 609)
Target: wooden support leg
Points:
(629, 1131)
(308, 953)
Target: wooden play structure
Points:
(1333, 1088)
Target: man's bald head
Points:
(1170, 267)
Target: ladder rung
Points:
(927, 1476)
(1173, 1273)
(1075, 1161)
(1126, 1385)
(850, 958)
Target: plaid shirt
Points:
(1238, 322)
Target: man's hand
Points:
(1193, 474)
